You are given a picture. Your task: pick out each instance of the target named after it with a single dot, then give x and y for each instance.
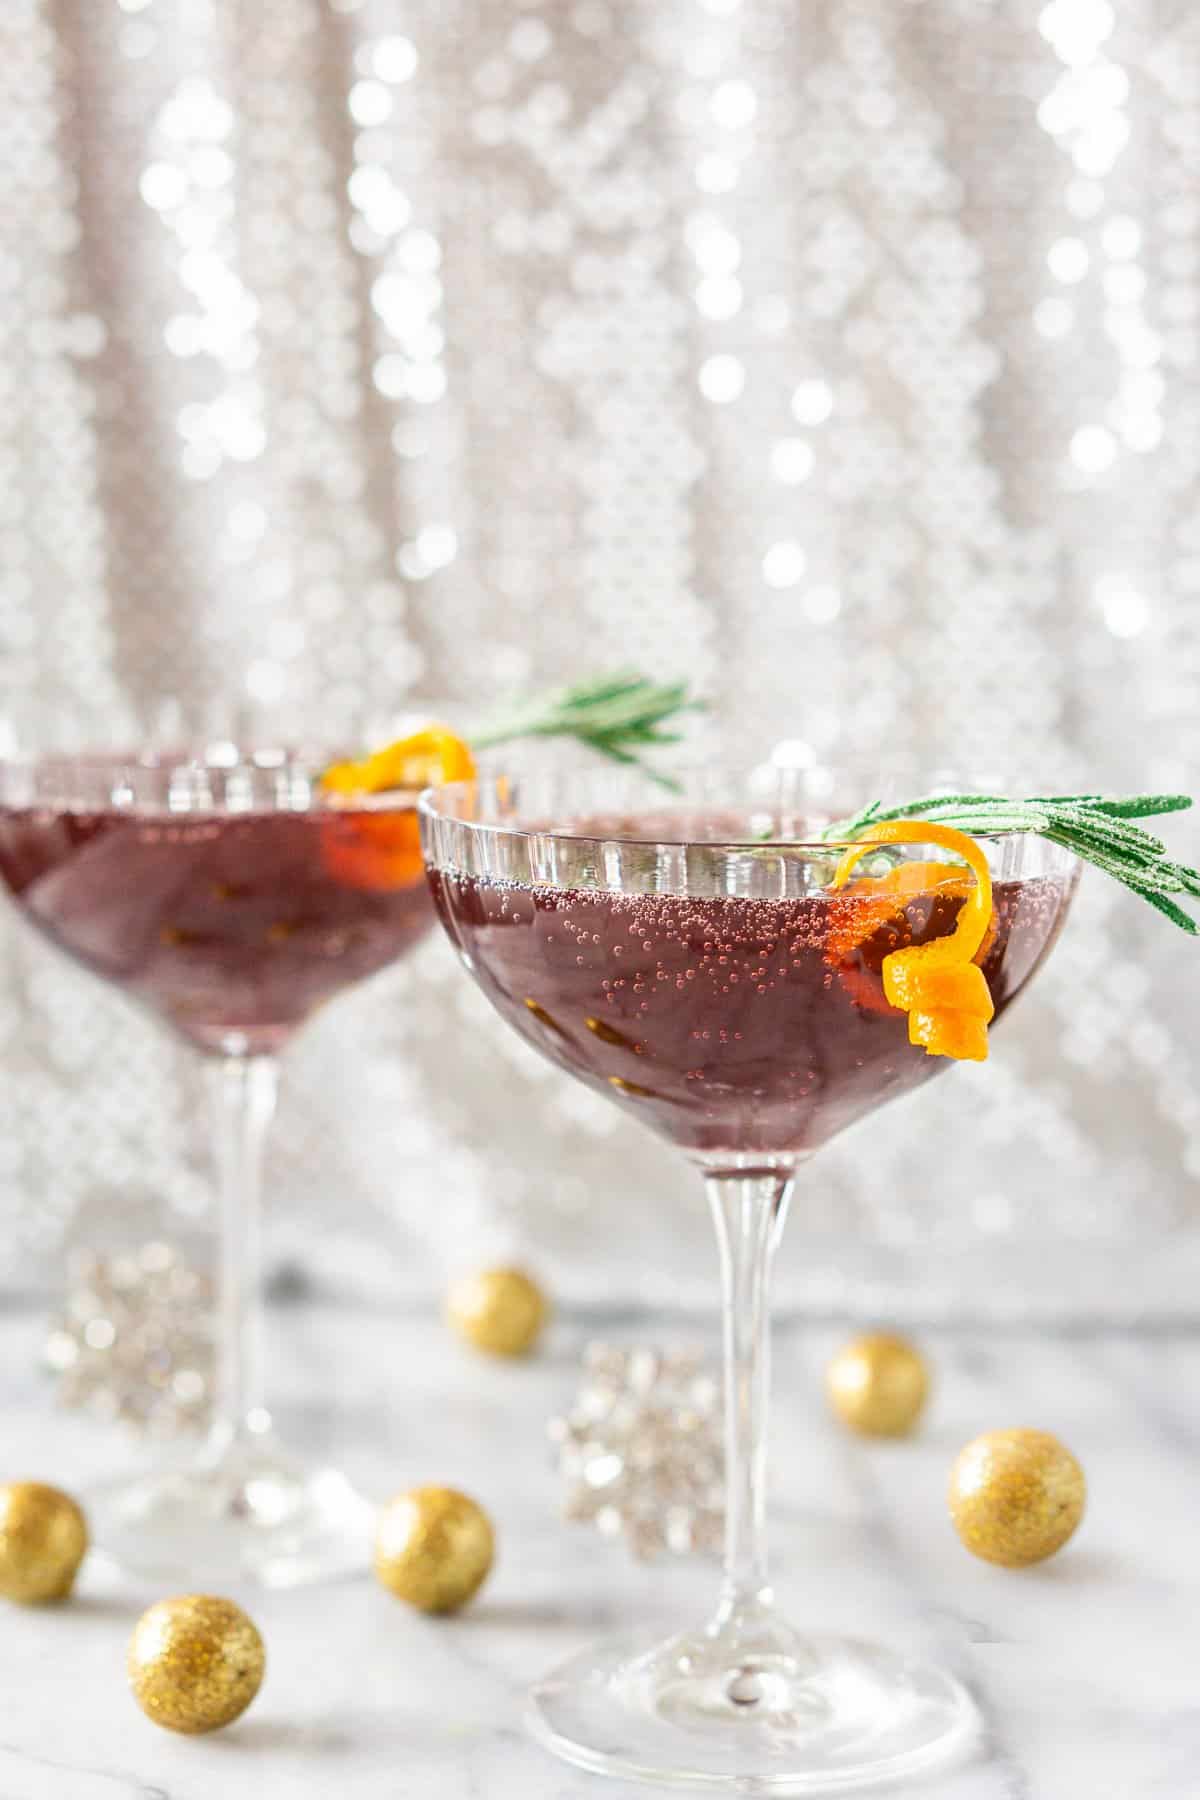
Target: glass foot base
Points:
(253, 1516)
(800, 1716)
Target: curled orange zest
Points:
(937, 984)
(871, 904)
(428, 758)
(382, 851)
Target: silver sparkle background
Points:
(842, 356)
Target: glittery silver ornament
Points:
(641, 1451)
(133, 1340)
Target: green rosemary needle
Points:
(1091, 827)
(618, 715)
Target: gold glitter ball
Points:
(195, 1663)
(43, 1538)
(878, 1384)
(433, 1548)
(501, 1311)
(1016, 1496)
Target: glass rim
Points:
(296, 772)
(428, 808)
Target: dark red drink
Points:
(727, 1024)
(233, 927)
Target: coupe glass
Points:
(689, 960)
(230, 897)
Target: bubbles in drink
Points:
(756, 1024)
(234, 929)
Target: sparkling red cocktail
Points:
(232, 896)
(703, 966)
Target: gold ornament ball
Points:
(878, 1384)
(501, 1311)
(433, 1548)
(43, 1538)
(195, 1663)
(1016, 1496)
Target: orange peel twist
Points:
(938, 984)
(426, 759)
(381, 852)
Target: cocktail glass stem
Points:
(747, 1702)
(748, 1208)
(244, 1509)
(244, 1091)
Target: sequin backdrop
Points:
(842, 356)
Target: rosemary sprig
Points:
(1091, 827)
(618, 715)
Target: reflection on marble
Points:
(1084, 1669)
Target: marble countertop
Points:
(1085, 1670)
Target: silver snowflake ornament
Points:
(641, 1452)
(134, 1340)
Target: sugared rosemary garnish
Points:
(618, 715)
(1091, 827)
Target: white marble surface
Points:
(1086, 1670)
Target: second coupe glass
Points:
(231, 897)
